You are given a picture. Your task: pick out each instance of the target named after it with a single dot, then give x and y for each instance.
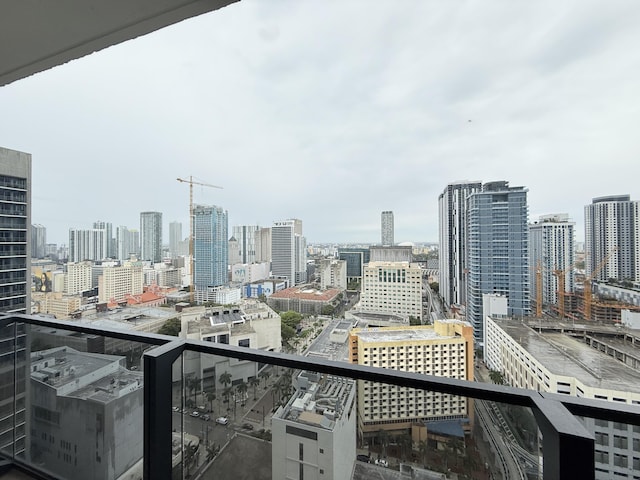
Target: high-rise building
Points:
(151, 236)
(551, 248)
(497, 250)
(210, 249)
(612, 228)
(452, 255)
(288, 251)
(386, 227)
(87, 244)
(246, 237)
(128, 243)
(15, 297)
(175, 237)
(38, 241)
(444, 349)
(392, 287)
(356, 259)
(263, 245)
(110, 244)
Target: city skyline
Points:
(432, 91)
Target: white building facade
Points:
(333, 273)
(393, 287)
(551, 248)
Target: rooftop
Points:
(398, 334)
(564, 355)
(307, 293)
(319, 401)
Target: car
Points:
(222, 420)
(363, 458)
(175, 409)
(247, 426)
(206, 417)
(195, 414)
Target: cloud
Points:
(334, 112)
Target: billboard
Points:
(41, 280)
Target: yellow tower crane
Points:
(191, 183)
(588, 300)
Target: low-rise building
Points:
(243, 273)
(314, 434)
(265, 287)
(550, 361)
(87, 413)
(251, 324)
(304, 299)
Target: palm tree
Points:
(211, 396)
(496, 377)
(225, 378)
(423, 447)
(212, 451)
(226, 393)
(383, 437)
(190, 451)
(254, 382)
(405, 443)
(265, 376)
(193, 385)
(242, 391)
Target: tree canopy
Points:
(170, 327)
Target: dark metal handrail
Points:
(567, 446)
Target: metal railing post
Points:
(567, 446)
(158, 366)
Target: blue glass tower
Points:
(210, 247)
(498, 250)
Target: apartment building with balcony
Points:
(444, 349)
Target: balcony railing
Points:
(136, 405)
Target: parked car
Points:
(194, 414)
(206, 417)
(363, 458)
(175, 409)
(247, 426)
(222, 420)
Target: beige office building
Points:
(392, 287)
(444, 349)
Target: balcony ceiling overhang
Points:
(36, 35)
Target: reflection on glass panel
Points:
(235, 418)
(86, 405)
(617, 447)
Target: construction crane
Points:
(191, 183)
(539, 290)
(587, 295)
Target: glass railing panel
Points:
(246, 419)
(83, 404)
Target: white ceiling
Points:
(36, 35)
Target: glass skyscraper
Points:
(151, 236)
(498, 250)
(210, 248)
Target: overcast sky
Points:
(334, 111)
